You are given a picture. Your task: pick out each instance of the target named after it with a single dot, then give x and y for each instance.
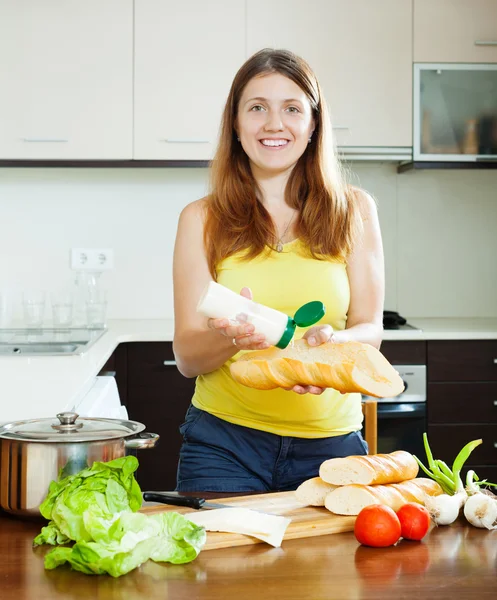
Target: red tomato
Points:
(414, 521)
(377, 525)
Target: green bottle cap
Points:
(309, 313)
(306, 315)
(287, 336)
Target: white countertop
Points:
(446, 329)
(41, 386)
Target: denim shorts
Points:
(217, 456)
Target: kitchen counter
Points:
(41, 386)
(458, 561)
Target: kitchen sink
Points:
(47, 342)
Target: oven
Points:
(401, 421)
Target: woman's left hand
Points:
(319, 334)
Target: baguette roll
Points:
(370, 470)
(312, 492)
(348, 367)
(351, 499)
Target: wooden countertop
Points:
(458, 561)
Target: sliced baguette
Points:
(351, 499)
(313, 491)
(348, 367)
(370, 470)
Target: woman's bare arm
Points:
(200, 345)
(366, 271)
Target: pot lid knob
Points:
(67, 418)
(67, 422)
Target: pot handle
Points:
(142, 440)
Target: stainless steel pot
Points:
(33, 453)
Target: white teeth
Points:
(274, 142)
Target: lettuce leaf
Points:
(96, 508)
(107, 487)
(129, 541)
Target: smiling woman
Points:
(281, 225)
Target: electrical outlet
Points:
(92, 259)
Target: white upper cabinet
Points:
(455, 31)
(186, 55)
(361, 51)
(66, 79)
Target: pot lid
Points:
(69, 427)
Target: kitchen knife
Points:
(179, 500)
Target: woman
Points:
(281, 225)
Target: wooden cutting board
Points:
(307, 521)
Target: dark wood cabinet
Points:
(117, 366)
(157, 395)
(462, 401)
(404, 352)
(469, 360)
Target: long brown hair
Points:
(235, 219)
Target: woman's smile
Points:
(274, 143)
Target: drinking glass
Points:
(62, 309)
(96, 309)
(33, 303)
(5, 309)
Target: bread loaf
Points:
(313, 491)
(351, 499)
(347, 367)
(370, 470)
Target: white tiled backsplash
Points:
(439, 233)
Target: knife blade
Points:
(179, 500)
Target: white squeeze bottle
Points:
(219, 302)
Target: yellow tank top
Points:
(284, 281)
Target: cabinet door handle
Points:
(495, 402)
(184, 141)
(340, 127)
(107, 374)
(44, 140)
(486, 43)
(170, 363)
(495, 444)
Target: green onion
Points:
(449, 480)
(459, 461)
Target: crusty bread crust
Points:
(351, 499)
(348, 367)
(370, 470)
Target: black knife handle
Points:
(174, 499)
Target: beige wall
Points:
(439, 231)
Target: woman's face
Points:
(274, 122)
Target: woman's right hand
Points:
(243, 335)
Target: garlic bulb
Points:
(444, 509)
(481, 510)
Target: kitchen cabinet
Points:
(404, 352)
(462, 401)
(456, 31)
(361, 52)
(117, 366)
(157, 395)
(66, 75)
(455, 112)
(186, 55)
